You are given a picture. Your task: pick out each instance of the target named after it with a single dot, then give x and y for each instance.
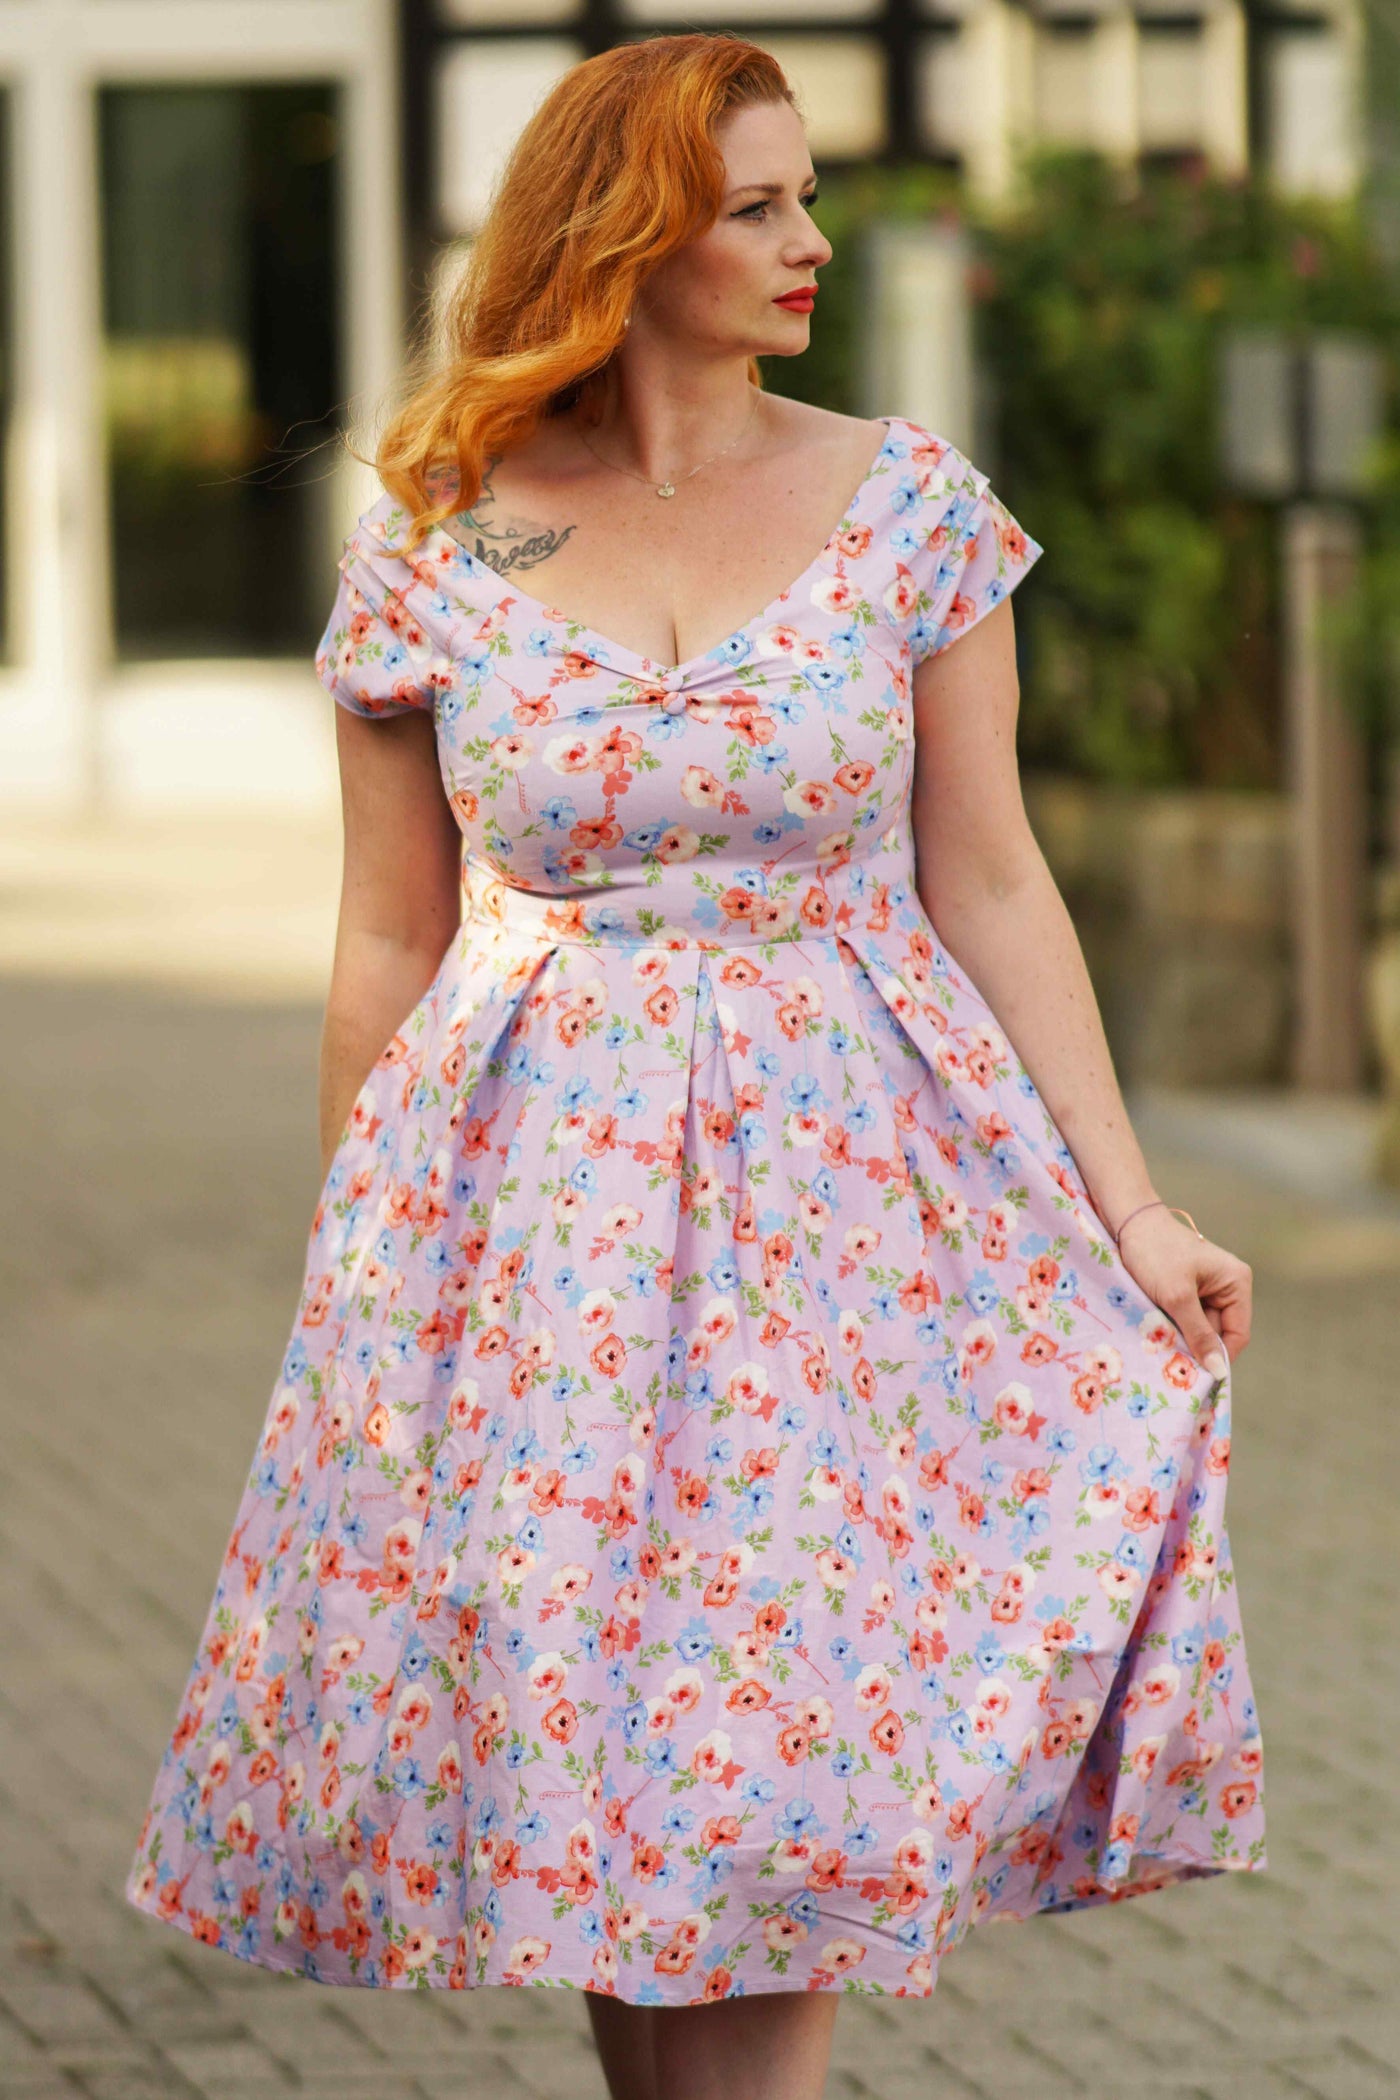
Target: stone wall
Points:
(1180, 900)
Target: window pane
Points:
(734, 13)
(942, 92)
(1170, 84)
(6, 361)
(1311, 123)
(840, 82)
(509, 14)
(487, 89)
(1064, 83)
(220, 362)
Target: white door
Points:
(206, 282)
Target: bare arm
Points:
(400, 899)
(985, 885)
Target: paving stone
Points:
(163, 2083)
(58, 2009)
(1309, 1982)
(373, 2085)
(1009, 2063)
(545, 2070)
(84, 2062)
(221, 2069)
(407, 2030)
(492, 2077)
(1345, 2073)
(930, 2081)
(1376, 2032)
(1259, 2081)
(17, 2047)
(233, 2087)
(308, 2034)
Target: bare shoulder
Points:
(822, 437)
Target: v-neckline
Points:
(655, 673)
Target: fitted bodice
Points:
(758, 791)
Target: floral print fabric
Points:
(727, 1521)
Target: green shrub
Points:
(1151, 626)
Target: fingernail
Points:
(1217, 1364)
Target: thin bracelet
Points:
(1150, 1205)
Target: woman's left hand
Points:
(1207, 1291)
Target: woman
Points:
(744, 1499)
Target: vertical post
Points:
(1117, 93)
(1326, 773)
(917, 340)
(416, 52)
(998, 46)
(1225, 88)
(903, 135)
(385, 233)
(57, 468)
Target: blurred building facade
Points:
(219, 217)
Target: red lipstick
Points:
(800, 301)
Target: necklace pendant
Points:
(667, 488)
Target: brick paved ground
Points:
(158, 1154)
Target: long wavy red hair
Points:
(616, 169)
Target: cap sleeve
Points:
(960, 550)
(374, 656)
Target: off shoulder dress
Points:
(726, 1519)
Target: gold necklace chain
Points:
(668, 487)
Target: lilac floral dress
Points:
(727, 1521)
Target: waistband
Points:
(814, 909)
